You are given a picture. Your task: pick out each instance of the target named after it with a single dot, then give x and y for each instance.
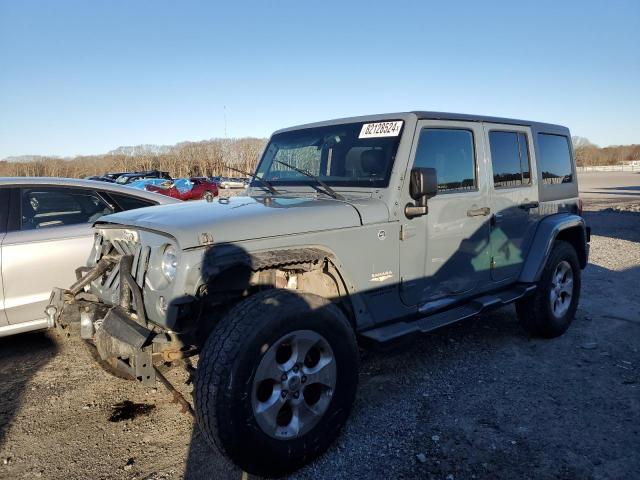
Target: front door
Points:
(455, 232)
(514, 197)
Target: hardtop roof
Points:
(428, 115)
(464, 117)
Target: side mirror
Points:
(423, 184)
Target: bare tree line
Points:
(210, 157)
(207, 158)
(590, 155)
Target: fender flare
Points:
(547, 232)
(300, 257)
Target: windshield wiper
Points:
(328, 190)
(266, 184)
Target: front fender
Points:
(216, 260)
(563, 226)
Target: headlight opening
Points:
(169, 262)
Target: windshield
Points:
(349, 155)
(183, 185)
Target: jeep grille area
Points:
(108, 285)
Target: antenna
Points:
(224, 107)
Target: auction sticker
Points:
(381, 129)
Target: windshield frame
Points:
(393, 144)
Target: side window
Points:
(44, 207)
(126, 202)
(451, 153)
(554, 159)
(509, 158)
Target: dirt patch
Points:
(129, 410)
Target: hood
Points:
(245, 218)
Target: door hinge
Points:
(407, 231)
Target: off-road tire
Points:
(535, 312)
(228, 363)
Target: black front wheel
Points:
(276, 381)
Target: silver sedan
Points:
(45, 233)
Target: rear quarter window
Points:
(126, 202)
(554, 159)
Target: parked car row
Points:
(194, 188)
(229, 182)
(125, 178)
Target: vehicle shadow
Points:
(626, 191)
(206, 462)
(21, 357)
(624, 225)
(635, 188)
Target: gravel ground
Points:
(475, 400)
(602, 189)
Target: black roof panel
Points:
(464, 117)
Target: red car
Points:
(194, 188)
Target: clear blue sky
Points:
(79, 77)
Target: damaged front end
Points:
(120, 330)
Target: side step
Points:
(394, 331)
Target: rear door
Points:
(50, 235)
(4, 217)
(514, 197)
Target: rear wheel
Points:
(550, 311)
(208, 196)
(276, 381)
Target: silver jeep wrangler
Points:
(361, 230)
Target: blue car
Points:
(140, 184)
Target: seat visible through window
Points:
(45, 207)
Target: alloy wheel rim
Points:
(561, 291)
(293, 384)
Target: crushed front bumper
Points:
(121, 336)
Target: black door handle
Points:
(528, 205)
